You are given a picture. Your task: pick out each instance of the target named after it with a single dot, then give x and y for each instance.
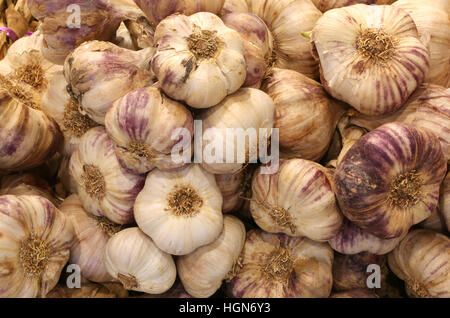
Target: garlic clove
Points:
(98, 73)
(180, 210)
(134, 259)
(389, 179)
(203, 271)
(35, 243)
(279, 266)
(422, 260)
(104, 187)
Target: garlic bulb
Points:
(203, 271)
(350, 271)
(58, 104)
(65, 26)
(325, 5)
(65, 179)
(355, 293)
(422, 260)
(432, 18)
(99, 73)
(34, 243)
(142, 32)
(305, 115)
(352, 239)
(389, 180)
(286, 20)
(257, 42)
(143, 124)
(157, 10)
(247, 111)
(298, 200)
(428, 107)
(27, 184)
(104, 188)
(180, 210)
(87, 290)
(92, 233)
(231, 186)
(375, 62)
(138, 264)
(198, 59)
(176, 291)
(279, 266)
(435, 222)
(444, 203)
(27, 136)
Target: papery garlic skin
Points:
(231, 186)
(428, 107)
(91, 236)
(377, 59)
(258, 43)
(28, 137)
(432, 18)
(198, 59)
(58, 104)
(435, 222)
(352, 239)
(389, 180)
(143, 125)
(99, 73)
(87, 290)
(203, 271)
(180, 210)
(279, 266)
(325, 5)
(422, 260)
(135, 260)
(286, 20)
(157, 10)
(355, 293)
(306, 116)
(247, 110)
(34, 243)
(298, 200)
(444, 203)
(104, 187)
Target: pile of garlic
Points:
(116, 157)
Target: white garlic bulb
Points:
(143, 124)
(132, 258)
(99, 73)
(180, 210)
(198, 59)
(203, 271)
(35, 240)
(92, 233)
(247, 110)
(104, 187)
(376, 59)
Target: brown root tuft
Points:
(184, 201)
(375, 45)
(33, 256)
(405, 190)
(94, 182)
(204, 44)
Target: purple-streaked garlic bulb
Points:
(389, 179)
(351, 271)
(28, 137)
(297, 200)
(257, 42)
(145, 126)
(444, 203)
(87, 290)
(35, 241)
(230, 186)
(286, 20)
(98, 73)
(248, 111)
(92, 233)
(180, 210)
(103, 186)
(203, 271)
(66, 24)
(428, 107)
(435, 222)
(280, 266)
(375, 61)
(422, 261)
(352, 239)
(325, 5)
(306, 116)
(198, 59)
(157, 10)
(355, 293)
